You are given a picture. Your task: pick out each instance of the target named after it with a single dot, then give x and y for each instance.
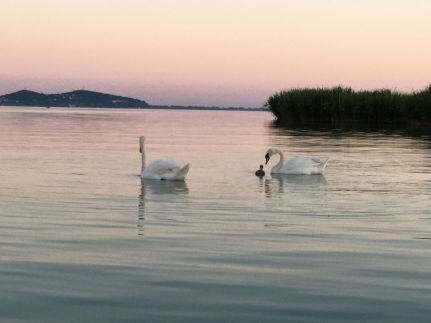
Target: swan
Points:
(296, 165)
(162, 169)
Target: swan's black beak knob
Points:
(266, 159)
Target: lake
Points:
(84, 240)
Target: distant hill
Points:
(79, 98)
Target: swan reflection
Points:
(317, 179)
(154, 189)
(281, 183)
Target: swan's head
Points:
(268, 155)
(141, 144)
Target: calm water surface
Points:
(82, 239)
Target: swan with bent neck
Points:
(305, 165)
(169, 170)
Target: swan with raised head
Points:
(169, 170)
(297, 165)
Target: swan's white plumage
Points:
(161, 166)
(297, 165)
(162, 169)
(302, 165)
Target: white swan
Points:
(162, 169)
(296, 165)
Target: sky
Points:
(213, 52)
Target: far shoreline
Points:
(92, 99)
(156, 107)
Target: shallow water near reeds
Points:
(82, 239)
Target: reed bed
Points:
(340, 106)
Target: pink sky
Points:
(207, 52)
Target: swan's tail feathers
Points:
(182, 173)
(317, 160)
(320, 165)
(323, 164)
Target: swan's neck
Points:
(142, 150)
(143, 162)
(280, 162)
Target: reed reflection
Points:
(156, 190)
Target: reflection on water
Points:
(294, 180)
(350, 246)
(157, 188)
(351, 131)
(284, 183)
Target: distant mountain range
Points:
(79, 98)
(91, 99)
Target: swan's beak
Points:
(267, 158)
(141, 143)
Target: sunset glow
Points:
(227, 53)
